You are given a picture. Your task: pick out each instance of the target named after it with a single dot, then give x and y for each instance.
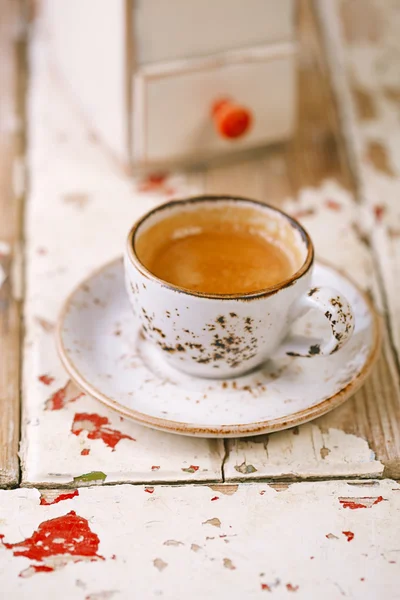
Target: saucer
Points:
(104, 352)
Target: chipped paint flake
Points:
(46, 379)
(44, 324)
(349, 535)
(265, 587)
(97, 428)
(292, 588)
(57, 542)
(106, 595)
(364, 502)
(94, 477)
(245, 469)
(376, 154)
(331, 536)
(214, 521)
(160, 564)
(54, 496)
(195, 547)
(173, 543)
(65, 395)
(226, 488)
(191, 469)
(228, 564)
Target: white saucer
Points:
(105, 354)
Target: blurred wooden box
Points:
(147, 74)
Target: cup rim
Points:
(131, 253)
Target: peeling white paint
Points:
(303, 542)
(305, 451)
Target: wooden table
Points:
(318, 513)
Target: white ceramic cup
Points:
(219, 336)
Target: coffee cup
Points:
(216, 282)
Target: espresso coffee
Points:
(225, 261)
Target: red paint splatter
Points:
(68, 538)
(379, 211)
(362, 579)
(265, 586)
(352, 505)
(113, 557)
(306, 212)
(46, 379)
(333, 205)
(292, 588)
(215, 498)
(262, 492)
(65, 395)
(366, 502)
(59, 498)
(191, 469)
(149, 490)
(85, 452)
(96, 428)
(349, 535)
(42, 569)
(311, 557)
(392, 562)
(155, 468)
(156, 182)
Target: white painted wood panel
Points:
(306, 540)
(88, 47)
(167, 30)
(80, 209)
(173, 102)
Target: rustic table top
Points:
(313, 510)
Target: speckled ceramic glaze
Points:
(219, 336)
(104, 351)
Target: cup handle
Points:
(338, 313)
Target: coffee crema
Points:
(227, 261)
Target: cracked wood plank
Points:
(303, 540)
(11, 195)
(310, 178)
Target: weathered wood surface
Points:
(305, 540)
(364, 49)
(79, 211)
(311, 179)
(11, 194)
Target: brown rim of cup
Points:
(206, 198)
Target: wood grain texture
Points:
(11, 195)
(313, 177)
